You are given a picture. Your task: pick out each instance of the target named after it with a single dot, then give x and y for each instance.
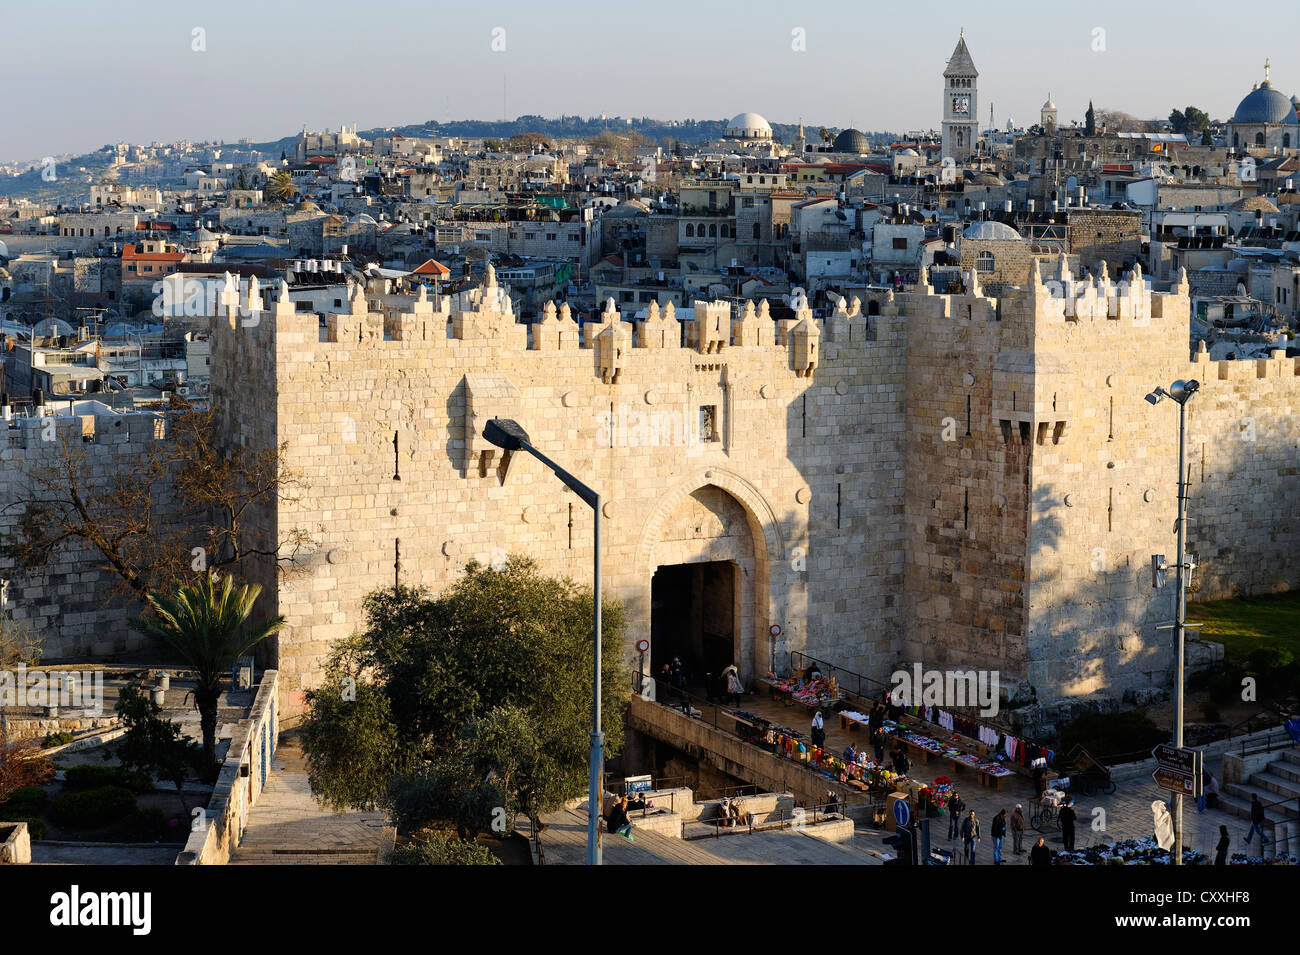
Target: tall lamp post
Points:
(510, 437)
(1180, 392)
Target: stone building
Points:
(959, 480)
(1265, 119)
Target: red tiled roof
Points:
(129, 252)
(430, 267)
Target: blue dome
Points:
(1266, 105)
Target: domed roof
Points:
(1265, 105)
(909, 151)
(990, 229)
(1049, 104)
(851, 141)
(748, 126)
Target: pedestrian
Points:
(735, 686)
(818, 730)
(1201, 798)
(970, 836)
(1257, 821)
(1018, 830)
(999, 834)
(955, 808)
(875, 718)
(878, 741)
(1212, 792)
(850, 753)
(617, 820)
(901, 763)
(1040, 854)
(1067, 818)
(1221, 850)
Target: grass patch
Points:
(1246, 624)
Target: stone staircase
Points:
(1280, 779)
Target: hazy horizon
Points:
(94, 75)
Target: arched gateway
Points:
(703, 572)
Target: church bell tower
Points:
(960, 123)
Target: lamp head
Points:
(1181, 390)
(1155, 396)
(505, 434)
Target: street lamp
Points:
(510, 437)
(1179, 392)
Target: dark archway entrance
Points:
(695, 616)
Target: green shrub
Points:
(93, 808)
(25, 801)
(1225, 684)
(35, 827)
(1112, 734)
(57, 739)
(146, 824)
(441, 849)
(89, 776)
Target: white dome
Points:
(748, 126)
(990, 229)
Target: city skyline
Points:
(836, 65)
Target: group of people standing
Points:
(963, 824)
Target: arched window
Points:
(755, 236)
(1234, 146)
(713, 234)
(1286, 144)
(690, 231)
(984, 262)
(1259, 139)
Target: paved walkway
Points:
(1125, 814)
(565, 843)
(288, 827)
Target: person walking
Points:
(734, 686)
(878, 741)
(970, 836)
(1040, 854)
(818, 730)
(901, 763)
(999, 834)
(955, 808)
(1256, 821)
(1067, 818)
(1221, 850)
(1018, 830)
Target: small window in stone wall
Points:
(709, 423)
(984, 262)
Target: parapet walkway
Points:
(288, 826)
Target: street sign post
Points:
(1178, 770)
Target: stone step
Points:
(1285, 768)
(1291, 756)
(1239, 806)
(1280, 787)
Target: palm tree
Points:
(205, 627)
(280, 186)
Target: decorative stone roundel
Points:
(1149, 495)
(766, 391)
(450, 548)
(333, 557)
(651, 397)
(968, 378)
(802, 495)
(609, 509)
(841, 387)
(1069, 500)
(570, 399)
(531, 514)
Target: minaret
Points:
(960, 119)
(800, 141)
